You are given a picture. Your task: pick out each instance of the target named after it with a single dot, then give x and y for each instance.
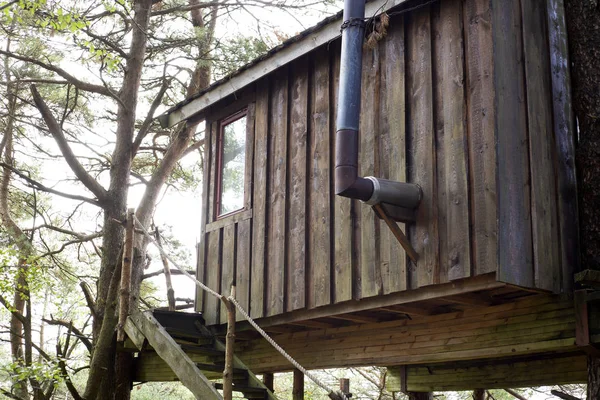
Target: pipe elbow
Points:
(349, 184)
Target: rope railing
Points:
(335, 395)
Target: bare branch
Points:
(89, 298)
(39, 186)
(150, 116)
(56, 131)
(89, 87)
(162, 271)
(69, 325)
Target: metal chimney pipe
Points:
(347, 182)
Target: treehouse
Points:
(464, 282)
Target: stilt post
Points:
(229, 347)
(125, 292)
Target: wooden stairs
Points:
(177, 346)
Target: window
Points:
(231, 165)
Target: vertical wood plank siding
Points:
(457, 97)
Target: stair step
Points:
(248, 391)
(238, 373)
(184, 333)
(201, 349)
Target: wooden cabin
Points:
(468, 99)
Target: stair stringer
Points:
(168, 349)
(253, 381)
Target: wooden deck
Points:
(428, 332)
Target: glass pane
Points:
(233, 164)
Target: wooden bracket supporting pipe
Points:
(398, 234)
(229, 347)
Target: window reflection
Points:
(233, 163)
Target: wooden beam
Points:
(175, 357)
(134, 334)
(298, 389)
(469, 300)
(408, 310)
(125, 291)
(313, 324)
(355, 318)
(304, 43)
(269, 380)
(582, 329)
(461, 286)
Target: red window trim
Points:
(219, 175)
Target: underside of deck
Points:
(463, 335)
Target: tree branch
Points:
(89, 298)
(149, 117)
(162, 271)
(37, 185)
(69, 325)
(88, 87)
(66, 150)
(12, 310)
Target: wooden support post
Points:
(345, 386)
(298, 390)
(229, 348)
(125, 292)
(479, 394)
(269, 380)
(169, 283)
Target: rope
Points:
(332, 394)
(283, 352)
(183, 271)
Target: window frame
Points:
(219, 164)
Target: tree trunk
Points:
(479, 394)
(583, 27)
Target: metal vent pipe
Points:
(347, 182)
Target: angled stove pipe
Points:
(347, 182)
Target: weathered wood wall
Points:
(457, 98)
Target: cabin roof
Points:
(291, 49)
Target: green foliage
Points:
(236, 52)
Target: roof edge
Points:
(286, 54)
